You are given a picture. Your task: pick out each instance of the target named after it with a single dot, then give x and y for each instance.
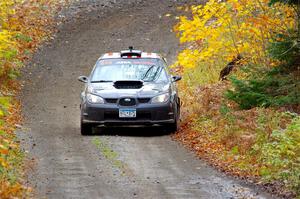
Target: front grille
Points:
(127, 102)
(144, 100)
(140, 100)
(111, 100)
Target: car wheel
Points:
(173, 127)
(86, 129)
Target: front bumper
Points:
(147, 114)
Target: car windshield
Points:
(129, 69)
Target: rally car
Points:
(130, 88)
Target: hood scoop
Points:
(128, 84)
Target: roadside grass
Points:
(11, 157)
(109, 154)
(261, 145)
(24, 26)
(248, 126)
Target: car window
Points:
(129, 69)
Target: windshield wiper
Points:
(101, 81)
(158, 67)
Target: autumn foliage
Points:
(220, 31)
(24, 25)
(249, 125)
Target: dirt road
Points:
(124, 163)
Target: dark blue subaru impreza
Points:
(130, 88)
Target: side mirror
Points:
(83, 79)
(176, 78)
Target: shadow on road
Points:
(131, 131)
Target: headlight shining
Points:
(160, 98)
(94, 99)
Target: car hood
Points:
(108, 90)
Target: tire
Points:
(173, 127)
(86, 129)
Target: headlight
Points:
(94, 99)
(160, 98)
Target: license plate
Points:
(127, 113)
